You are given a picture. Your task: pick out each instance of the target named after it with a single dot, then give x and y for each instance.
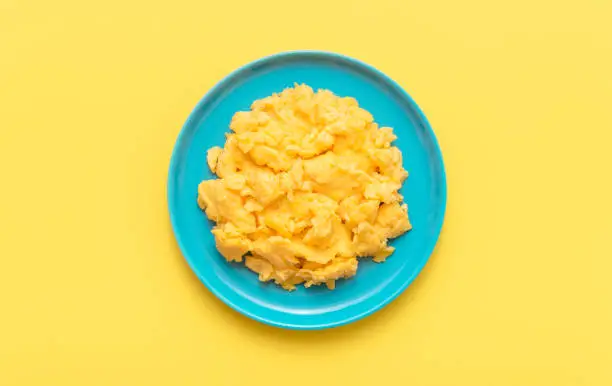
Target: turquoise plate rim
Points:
(213, 93)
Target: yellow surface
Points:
(93, 290)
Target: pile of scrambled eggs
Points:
(307, 183)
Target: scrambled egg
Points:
(307, 184)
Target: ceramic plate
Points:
(375, 285)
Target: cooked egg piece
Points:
(307, 183)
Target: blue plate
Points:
(375, 285)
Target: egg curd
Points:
(307, 184)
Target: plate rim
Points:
(208, 98)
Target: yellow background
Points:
(93, 290)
